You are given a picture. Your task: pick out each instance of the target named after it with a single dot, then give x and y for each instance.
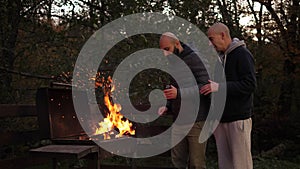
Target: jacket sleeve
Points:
(169, 105)
(200, 74)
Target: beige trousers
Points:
(188, 153)
(234, 144)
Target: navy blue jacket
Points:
(240, 83)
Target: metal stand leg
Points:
(94, 161)
(54, 163)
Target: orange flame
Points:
(114, 118)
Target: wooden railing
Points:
(9, 136)
(13, 139)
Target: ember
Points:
(114, 119)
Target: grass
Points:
(261, 163)
(289, 159)
(258, 164)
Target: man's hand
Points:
(170, 93)
(162, 110)
(209, 88)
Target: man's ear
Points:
(223, 35)
(177, 43)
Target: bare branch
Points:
(26, 74)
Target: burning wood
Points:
(114, 119)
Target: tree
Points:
(10, 20)
(282, 29)
(32, 43)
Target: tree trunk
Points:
(9, 33)
(286, 93)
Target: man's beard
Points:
(176, 51)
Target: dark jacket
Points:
(193, 61)
(240, 81)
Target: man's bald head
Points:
(219, 36)
(170, 44)
(170, 36)
(218, 28)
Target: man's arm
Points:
(246, 83)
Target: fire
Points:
(114, 118)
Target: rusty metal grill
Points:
(57, 117)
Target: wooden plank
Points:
(67, 151)
(11, 110)
(9, 138)
(56, 152)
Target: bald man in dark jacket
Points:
(188, 152)
(233, 134)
